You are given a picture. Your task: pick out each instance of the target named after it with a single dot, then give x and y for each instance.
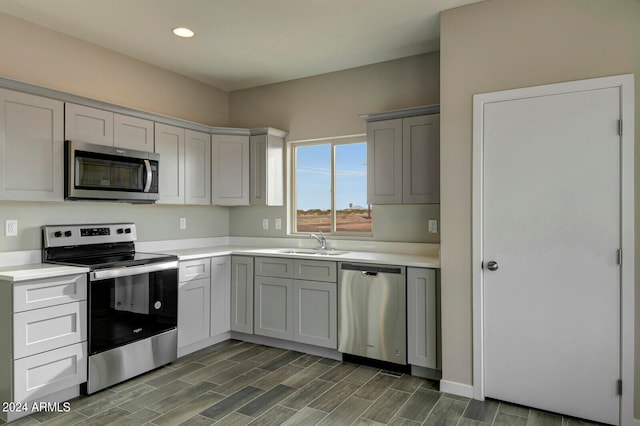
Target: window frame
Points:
(291, 172)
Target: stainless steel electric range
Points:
(133, 299)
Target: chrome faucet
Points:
(322, 240)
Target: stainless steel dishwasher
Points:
(372, 312)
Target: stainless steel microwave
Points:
(99, 172)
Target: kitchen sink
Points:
(315, 252)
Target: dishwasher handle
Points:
(371, 270)
(369, 274)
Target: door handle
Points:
(492, 265)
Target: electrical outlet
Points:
(265, 224)
(278, 223)
(433, 226)
(183, 223)
(11, 228)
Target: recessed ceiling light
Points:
(183, 32)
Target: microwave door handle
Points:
(147, 166)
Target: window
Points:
(329, 186)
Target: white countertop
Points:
(38, 270)
(401, 259)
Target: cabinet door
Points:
(422, 317)
(230, 170)
(315, 313)
(384, 162)
(273, 307)
(421, 159)
(169, 143)
(266, 170)
(86, 124)
(220, 295)
(193, 311)
(197, 173)
(242, 294)
(133, 133)
(32, 147)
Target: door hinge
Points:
(619, 387)
(620, 257)
(620, 127)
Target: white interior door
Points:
(551, 222)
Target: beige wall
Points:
(330, 105)
(503, 44)
(36, 55)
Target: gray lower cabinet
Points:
(296, 299)
(220, 295)
(44, 328)
(315, 313)
(242, 294)
(194, 299)
(422, 317)
(273, 307)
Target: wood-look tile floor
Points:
(237, 383)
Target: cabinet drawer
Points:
(315, 270)
(274, 267)
(49, 328)
(194, 269)
(43, 374)
(49, 292)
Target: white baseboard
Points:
(455, 388)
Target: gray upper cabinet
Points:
(403, 156)
(169, 143)
(133, 133)
(421, 159)
(86, 124)
(230, 170)
(384, 162)
(267, 168)
(32, 147)
(94, 125)
(197, 168)
(185, 165)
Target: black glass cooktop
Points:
(115, 260)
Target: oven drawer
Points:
(50, 328)
(43, 374)
(190, 270)
(49, 292)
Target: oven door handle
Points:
(126, 271)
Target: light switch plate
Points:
(278, 223)
(11, 228)
(433, 226)
(265, 224)
(183, 223)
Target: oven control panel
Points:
(67, 235)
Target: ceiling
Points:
(247, 43)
